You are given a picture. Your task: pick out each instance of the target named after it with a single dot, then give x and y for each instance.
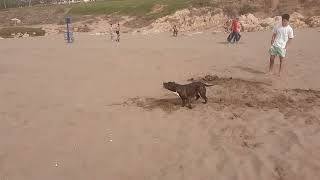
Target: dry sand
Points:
(97, 110)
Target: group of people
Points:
(281, 38)
(235, 28)
(115, 29)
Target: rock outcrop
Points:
(314, 21)
(188, 20)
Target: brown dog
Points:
(188, 91)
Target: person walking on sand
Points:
(235, 31)
(175, 31)
(111, 32)
(281, 38)
(118, 33)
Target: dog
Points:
(188, 91)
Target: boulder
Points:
(297, 20)
(25, 35)
(314, 21)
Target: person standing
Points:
(235, 31)
(281, 38)
(111, 32)
(118, 33)
(175, 31)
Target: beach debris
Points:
(16, 21)
(98, 34)
(210, 78)
(109, 136)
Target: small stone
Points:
(249, 104)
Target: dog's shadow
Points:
(167, 105)
(224, 42)
(227, 43)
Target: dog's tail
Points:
(207, 85)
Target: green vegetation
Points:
(129, 7)
(16, 3)
(7, 32)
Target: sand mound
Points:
(238, 93)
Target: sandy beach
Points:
(97, 110)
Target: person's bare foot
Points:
(269, 73)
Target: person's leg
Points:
(118, 37)
(281, 65)
(272, 57)
(230, 37)
(238, 37)
(234, 37)
(273, 53)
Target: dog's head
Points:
(171, 86)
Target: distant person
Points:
(111, 32)
(175, 31)
(118, 33)
(281, 38)
(235, 31)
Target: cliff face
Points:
(200, 19)
(269, 7)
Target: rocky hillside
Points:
(216, 20)
(152, 16)
(147, 11)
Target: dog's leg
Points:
(205, 100)
(203, 94)
(183, 102)
(189, 103)
(197, 96)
